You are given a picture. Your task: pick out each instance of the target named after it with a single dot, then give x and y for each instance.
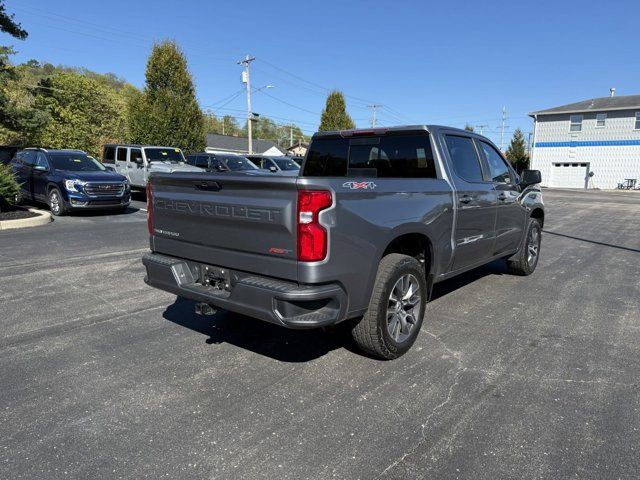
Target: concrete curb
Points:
(43, 218)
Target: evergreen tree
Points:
(167, 113)
(9, 25)
(335, 116)
(468, 127)
(517, 152)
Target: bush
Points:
(9, 187)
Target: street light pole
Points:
(247, 81)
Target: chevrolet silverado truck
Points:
(375, 219)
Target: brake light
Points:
(312, 236)
(150, 208)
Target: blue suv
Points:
(69, 179)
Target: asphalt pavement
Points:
(511, 377)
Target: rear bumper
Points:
(276, 301)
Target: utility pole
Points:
(247, 81)
(502, 127)
(291, 135)
(481, 127)
(373, 108)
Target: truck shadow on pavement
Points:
(287, 345)
(257, 336)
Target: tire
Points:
(56, 202)
(525, 261)
(380, 332)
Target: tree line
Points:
(70, 107)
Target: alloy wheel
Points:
(403, 307)
(54, 202)
(533, 246)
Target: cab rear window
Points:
(384, 156)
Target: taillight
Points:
(312, 236)
(150, 208)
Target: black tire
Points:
(525, 261)
(56, 205)
(371, 333)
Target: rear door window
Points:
(122, 154)
(29, 158)
(109, 155)
(464, 158)
(386, 156)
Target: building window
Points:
(601, 118)
(637, 121)
(576, 123)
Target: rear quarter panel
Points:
(363, 222)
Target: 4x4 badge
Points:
(359, 185)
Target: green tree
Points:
(9, 25)
(83, 113)
(468, 127)
(9, 188)
(335, 116)
(167, 113)
(226, 125)
(517, 152)
(10, 115)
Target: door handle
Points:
(465, 199)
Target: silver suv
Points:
(137, 162)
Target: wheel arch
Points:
(538, 214)
(415, 244)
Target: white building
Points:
(590, 144)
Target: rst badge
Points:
(359, 185)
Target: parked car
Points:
(376, 218)
(68, 180)
(282, 165)
(220, 162)
(137, 162)
(7, 153)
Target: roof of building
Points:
(626, 102)
(299, 144)
(238, 144)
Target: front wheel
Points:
(394, 317)
(526, 260)
(56, 203)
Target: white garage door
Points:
(569, 175)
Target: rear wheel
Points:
(56, 202)
(525, 261)
(394, 317)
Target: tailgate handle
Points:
(210, 186)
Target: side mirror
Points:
(530, 177)
(138, 160)
(109, 167)
(273, 169)
(40, 168)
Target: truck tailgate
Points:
(238, 221)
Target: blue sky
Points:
(431, 62)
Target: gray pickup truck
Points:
(375, 219)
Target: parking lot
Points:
(511, 377)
